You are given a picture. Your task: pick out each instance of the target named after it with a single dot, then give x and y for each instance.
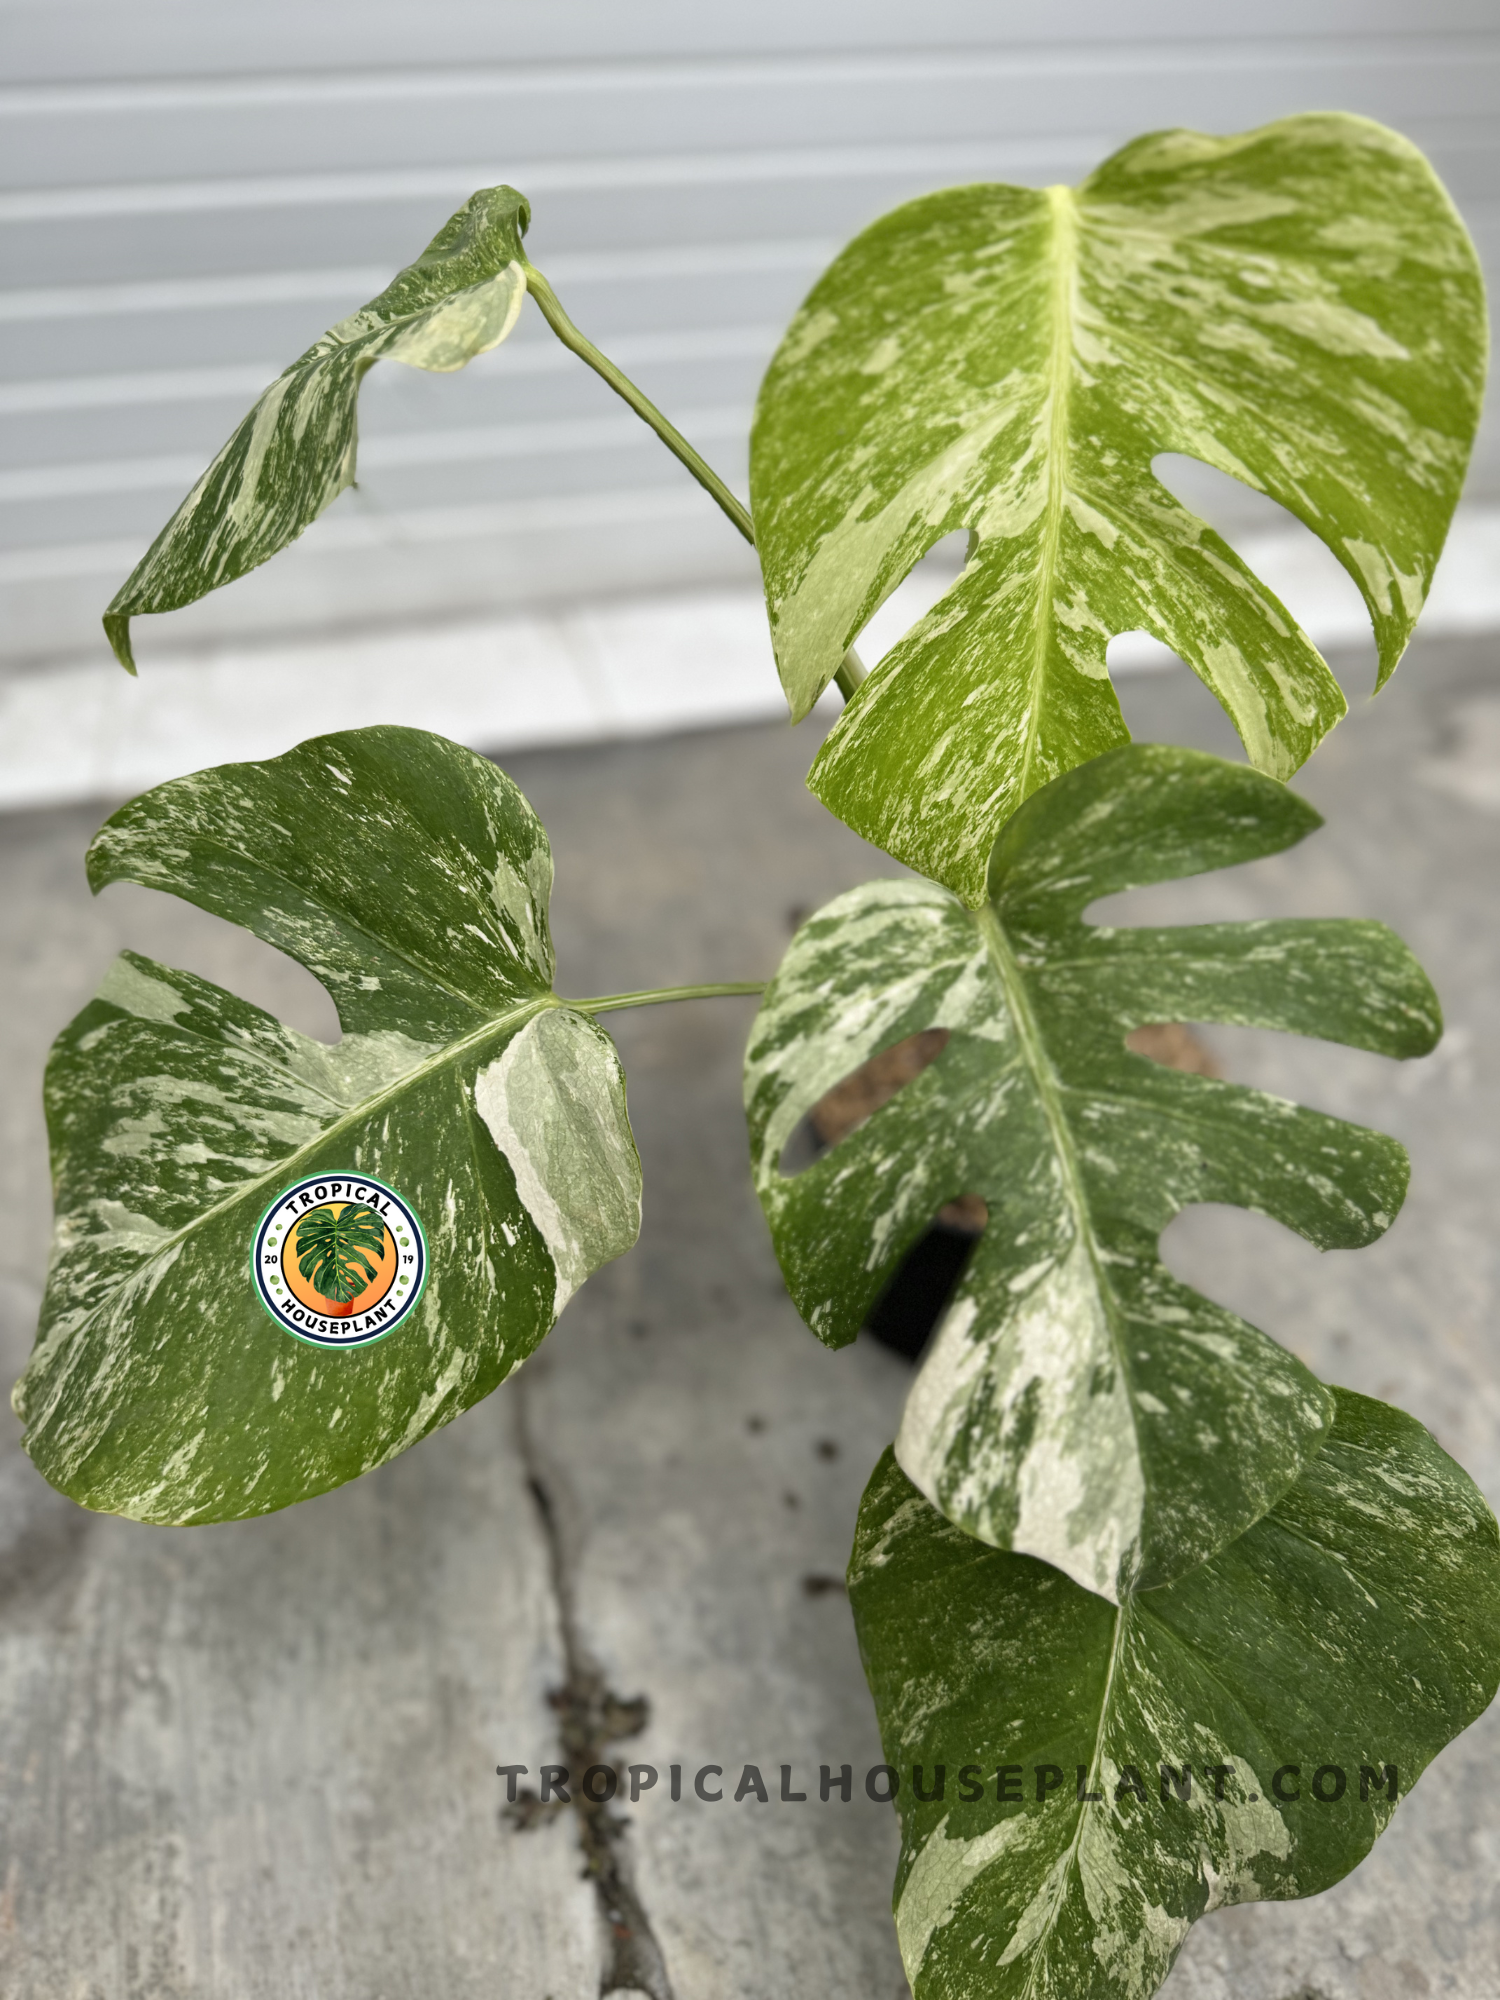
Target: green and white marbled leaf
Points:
(1299, 306)
(412, 878)
(1358, 1624)
(294, 454)
(1077, 1402)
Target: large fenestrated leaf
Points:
(1299, 306)
(294, 454)
(1078, 1403)
(412, 878)
(1356, 1627)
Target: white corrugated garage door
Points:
(195, 192)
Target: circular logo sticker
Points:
(339, 1260)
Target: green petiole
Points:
(851, 670)
(654, 995)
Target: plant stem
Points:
(644, 408)
(851, 669)
(654, 995)
(851, 672)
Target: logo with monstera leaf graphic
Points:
(339, 1260)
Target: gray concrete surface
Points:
(259, 1760)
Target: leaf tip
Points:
(1390, 658)
(117, 631)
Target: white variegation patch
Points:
(945, 1869)
(554, 1104)
(521, 892)
(128, 986)
(469, 323)
(1075, 1494)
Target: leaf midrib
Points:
(1164, 1626)
(1049, 1089)
(1064, 247)
(1096, 1760)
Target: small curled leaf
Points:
(294, 454)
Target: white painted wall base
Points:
(635, 667)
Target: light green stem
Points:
(644, 408)
(851, 670)
(653, 995)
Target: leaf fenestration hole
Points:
(907, 1312)
(914, 1300)
(928, 580)
(1174, 1046)
(177, 933)
(1287, 557)
(859, 1095)
(1265, 1272)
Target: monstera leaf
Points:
(334, 1248)
(412, 878)
(1238, 1735)
(1078, 1403)
(294, 453)
(1299, 307)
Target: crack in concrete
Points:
(591, 1717)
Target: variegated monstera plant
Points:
(1121, 1534)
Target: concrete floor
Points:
(258, 1760)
